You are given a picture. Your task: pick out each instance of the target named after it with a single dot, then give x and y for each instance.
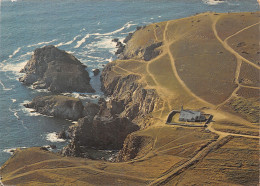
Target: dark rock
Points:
(90, 110)
(44, 148)
(150, 51)
(120, 47)
(128, 37)
(241, 44)
(132, 99)
(134, 145)
(115, 40)
(63, 135)
(56, 70)
(101, 133)
(53, 146)
(96, 71)
(58, 106)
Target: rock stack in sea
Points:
(56, 70)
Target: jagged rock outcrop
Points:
(95, 71)
(63, 107)
(56, 70)
(100, 133)
(136, 101)
(134, 146)
(58, 106)
(140, 45)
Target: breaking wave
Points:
(213, 2)
(53, 137)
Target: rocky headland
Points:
(192, 61)
(56, 70)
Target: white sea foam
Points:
(15, 67)
(15, 113)
(27, 54)
(79, 43)
(28, 111)
(213, 2)
(82, 95)
(15, 52)
(13, 100)
(53, 137)
(4, 88)
(11, 150)
(104, 43)
(69, 42)
(126, 26)
(42, 43)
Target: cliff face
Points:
(142, 44)
(100, 133)
(58, 106)
(134, 146)
(56, 70)
(127, 91)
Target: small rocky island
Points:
(56, 70)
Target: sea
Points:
(84, 28)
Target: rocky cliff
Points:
(128, 92)
(56, 70)
(98, 133)
(135, 146)
(63, 107)
(142, 44)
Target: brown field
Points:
(229, 24)
(249, 75)
(249, 47)
(248, 92)
(234, 163)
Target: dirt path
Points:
(223, 134)
(245, 86)
(240, 59)
(176, 171)
(88, 168)
(241, 31)
(167, 48)
(227, 47)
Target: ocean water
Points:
(84, 28)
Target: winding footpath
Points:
(223, 136)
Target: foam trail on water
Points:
(42, 43)
(27, 54)
(69, 42)
(14, 67)
(79, 43)
(17, 117)
(11, 150)
(53, 137)
(4, 88)
(127, 25)
(15, 52)
(213, 2)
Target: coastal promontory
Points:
(207, 64)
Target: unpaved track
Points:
(227, 47)
(240, 58)
(167, 48)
